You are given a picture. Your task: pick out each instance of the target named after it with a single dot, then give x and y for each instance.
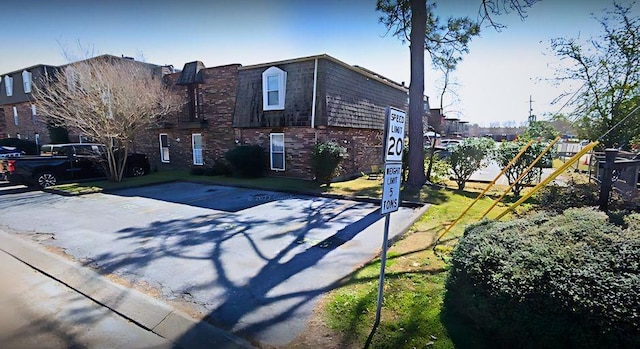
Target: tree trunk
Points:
(417, 177)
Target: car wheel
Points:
(137, 171)
(46, 179)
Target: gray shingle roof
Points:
(191, 74)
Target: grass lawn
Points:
(414, 284)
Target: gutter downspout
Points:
(315, 86)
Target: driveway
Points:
(253, 262)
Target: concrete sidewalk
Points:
(146, 312)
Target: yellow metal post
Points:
(546, 150)
(513, 161)
(550, 178)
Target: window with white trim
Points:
(8, 85)
(164, 147)
(15, 116)
(36, 138)
(196, 143)
(33, 113)
(26, 81)
(274, 87)
(277, 151)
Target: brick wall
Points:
(28, 125)
(218, 98)
(364, 148)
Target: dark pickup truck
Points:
(67, 162)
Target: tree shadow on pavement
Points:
(255, 275)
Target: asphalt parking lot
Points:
(253, 262)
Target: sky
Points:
(494, 83)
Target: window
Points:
(274, 86)
(277, 151)
(36, 138)
(26, 81)
(8, 85)
(164, 147)
(33, 112)
(195, 105)
(196, 142)
(82, 139)
(15, 116)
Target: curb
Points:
(366, 199)
(145, 311)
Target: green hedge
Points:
(247, 160)
(326, 159)
(550, 281)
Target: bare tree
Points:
(108, 99)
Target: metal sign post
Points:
(393, 150)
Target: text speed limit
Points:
(394, 145)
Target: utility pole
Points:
(532, 117)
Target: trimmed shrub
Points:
(550, 281)
(326, 159)
(467, 157)
(220, 168)
(246, 160)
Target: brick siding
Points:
(28, 125)
(218, 99)
(364, 148)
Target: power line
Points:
(619, 122)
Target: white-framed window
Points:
(33, 112)
(196, 143)
(277, 151)
(274, 87)
(36, 138)
(164, 147)
(26, 81)
(8, 85)
(15, 116)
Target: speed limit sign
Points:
(394, 145)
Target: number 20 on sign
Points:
(394, 146)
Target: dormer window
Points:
(274, 86)
(8, 85)
(26, 81)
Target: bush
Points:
(558, 198)
(439, 170)
(246, 160)
(23, 145)
(508, 151)
(467, 157)
(326, 159)
(550, 281)
(220, 168)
